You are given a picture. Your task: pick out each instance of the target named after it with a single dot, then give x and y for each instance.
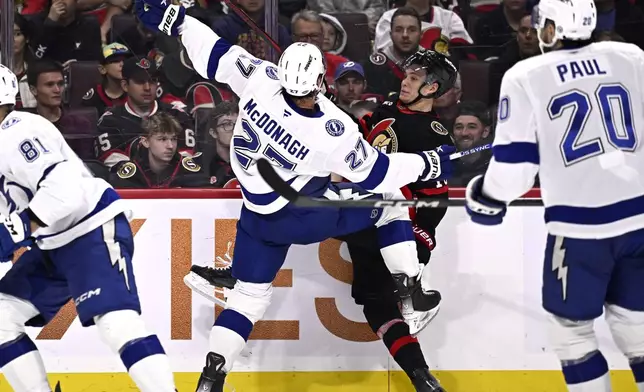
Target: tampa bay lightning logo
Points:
(12, 121)
(271, 72)
(334, 127)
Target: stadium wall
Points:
(489, 336)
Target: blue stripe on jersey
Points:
(221, 48)
(377, 174)
(314, 188)
(108, 197)
(518, 152)
(596, 215)
(46, 172)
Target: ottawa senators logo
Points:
(127, 170)
(89, 94)
(190, 165)
(383, 138)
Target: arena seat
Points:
(81, 76)
(358, 46)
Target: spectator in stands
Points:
(63, 35)
(335, 36)
(524, 46)
(441, 30)
(306, 26)
(446, 106)
(222, 123)
(350, 83)
(104, 11)
(155, 161)
(372, 8)
(622, 17)
(109, 92)
(472, 127)
(498, 27)
(21, 56)
(382, 70)
(120, 126)
(234, 30)
(47, 85)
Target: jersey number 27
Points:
(620, 134)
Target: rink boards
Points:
(489, 336)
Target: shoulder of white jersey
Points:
(26, 122)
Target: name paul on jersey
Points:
(275, 131)
(574, 70)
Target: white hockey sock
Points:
(26, 370)
(228, 343)
(152, 374)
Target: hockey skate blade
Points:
(201, 286)
(416, 326)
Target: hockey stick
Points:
(253, 25)
(283, 189)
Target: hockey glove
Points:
(15, 232)
(155, 16)
(482, 209)
(438, 166)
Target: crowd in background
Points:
(131, 106)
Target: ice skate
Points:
(424, 381)
(212, 378)
(208, 281)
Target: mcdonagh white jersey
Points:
(40, 171)
(305, 147)
(577, 118)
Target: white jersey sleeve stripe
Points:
(377, 174)
(517, 152)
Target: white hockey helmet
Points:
(574, 20)
(8, 86)
(301, 69)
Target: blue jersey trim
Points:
(107, 198)
(314, 188)
(596, 215)
(377, 174)
(220, 48)
(519, 152)
(315, 113)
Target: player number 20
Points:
(620, 131)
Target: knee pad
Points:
(250, 299)
(15, 313)
(627, 328)
(120, 327)
(571, 340)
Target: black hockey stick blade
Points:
(283, 189)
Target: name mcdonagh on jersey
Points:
(275, 131)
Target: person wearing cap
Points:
(350, 83)
(121, 125)
(109, 92)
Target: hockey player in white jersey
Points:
(575, 116)
(285, 119)
(81, 248)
